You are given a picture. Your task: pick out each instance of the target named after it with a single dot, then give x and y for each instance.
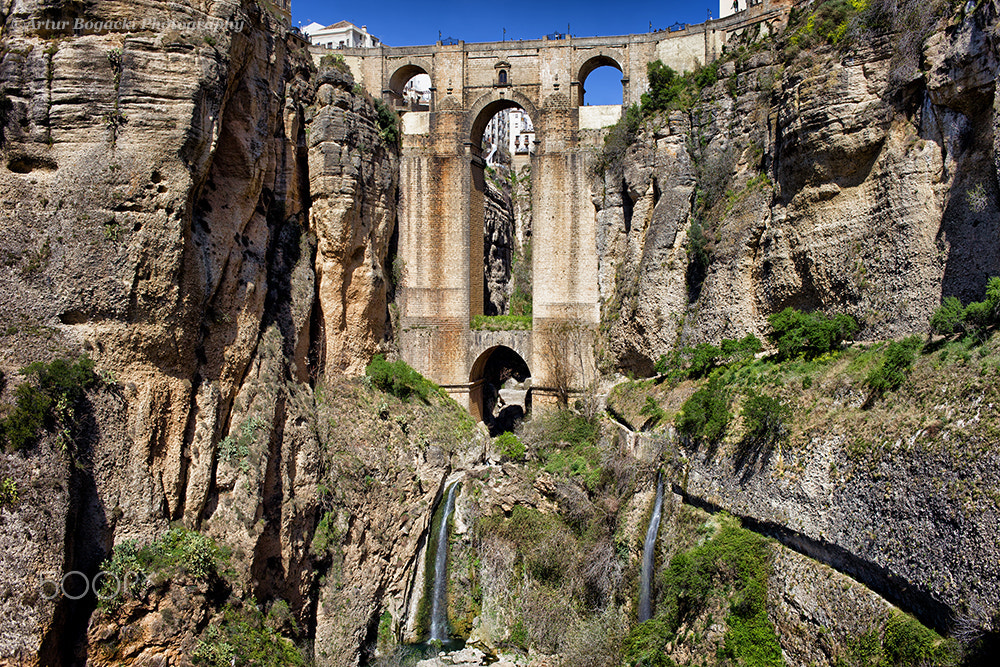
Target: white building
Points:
(417, 92)
(522, 133)
(342, 35)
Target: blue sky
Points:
(400, 23)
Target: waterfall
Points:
(439, 594)
(648, 553)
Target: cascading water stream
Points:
(439, 593)
(648, 552)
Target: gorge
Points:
(220, 248)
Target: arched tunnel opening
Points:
(501, 389)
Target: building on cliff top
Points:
(342, 35)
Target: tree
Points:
(809, 334)
(947, 320)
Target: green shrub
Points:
(670, 90)
(243, 638)
(646, 644)
(8, 492)
(733, 556)
(975, 319)
(326, 537)
(619, 137)
(125, 575)
(335, 61)
(895, 366)
(389, 123)
(743, 349)
(63, 379)
(705, 416)
(510, 447)
(992, 295)
(809, 334)
(947, 320)
(671, 365)
(703, 359)
(765, 420)
(26, 421)
(978, 317)
(52, 403)
(177, 550)
(907, 643)
(397, 378)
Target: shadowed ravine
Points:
(648, 554)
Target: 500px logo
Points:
(75, 584)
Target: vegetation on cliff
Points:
(50, 401)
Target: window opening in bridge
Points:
(507, 144)
(501, 389)
(410, 89)
(603, 86)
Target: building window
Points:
(503, 77)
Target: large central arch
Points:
(477, 118)
(484, 108)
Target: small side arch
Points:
(403, 72)
(586, 65)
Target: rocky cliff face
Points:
(818, 183)
(209, 219)
(500, 238)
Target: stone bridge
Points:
(442, 188)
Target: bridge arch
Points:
(402, 73)
(588, 64)
(484, 108)
(491, 370)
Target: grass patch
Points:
(501, 323)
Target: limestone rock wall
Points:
(500, 237)
(835, 190)
(353, 180)
(209, 219)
